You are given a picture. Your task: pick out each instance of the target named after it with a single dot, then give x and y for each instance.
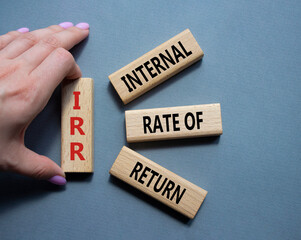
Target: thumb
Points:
(38, 166)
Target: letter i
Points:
(76, 100)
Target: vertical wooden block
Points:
(159, 183)
(173, 123)
(156, 66)
(77, 125)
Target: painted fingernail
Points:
(66, 24)
(23, 30)
(58, 180)
(83, 26)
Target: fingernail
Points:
(58, 180)
(83, 26)
(66, 24)
(23, 30)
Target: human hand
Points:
(32, 64)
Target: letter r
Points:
(138, 167)
(77, 152)
(77, 126)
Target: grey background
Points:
(252, 172)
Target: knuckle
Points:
(76, 31)
(12, 164)
(51, 41)
(8, 69)
(25, 94)
(11, 161)
(30, 38)
(13, 34)
(29, 95)
(2, 43)
(39, 172)
(64, 54)
(55, 28)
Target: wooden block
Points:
(159, 183)
(77, 125)
(174, 122)
(156, 66)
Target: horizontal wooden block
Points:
(156, 66)
(159, 183)
(174, 122)
(77, 125)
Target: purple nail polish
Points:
(83, 26)
(58, 180)
(66, 24)
(23, 30)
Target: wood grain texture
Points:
(77, 125)
(153, 68)
(173, 123)
(149, 177)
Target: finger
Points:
(26, 41)
(65, 39)
(10, 36)
(37, 166)
(58, 65)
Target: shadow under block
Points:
(158, 182)
(156, 66)
(77, 126)
(173, 123)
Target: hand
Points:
(32, 64)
